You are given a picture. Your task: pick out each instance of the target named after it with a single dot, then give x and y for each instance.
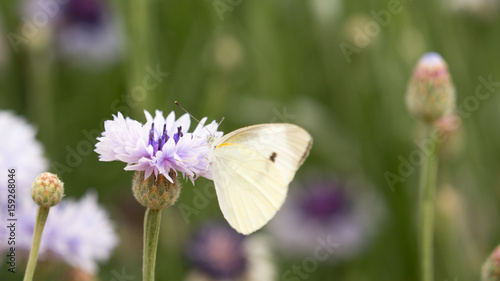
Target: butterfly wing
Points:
(252, 168)
(286, 145)
(250, 188)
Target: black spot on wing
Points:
(273, 156)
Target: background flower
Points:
(218, 252)
(79, 233)
(87, 32)
(21, 151)
(344, 214)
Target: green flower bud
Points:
(431, 93)
(47, 190)
(158, 193)
(491, 268)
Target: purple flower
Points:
(218, 252)
(77, 232)
(343, 216)
(88, 13)
(160, 145)
(20, 151)
(87, 32)
(80, 232)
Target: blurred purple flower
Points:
(328, 210)
(218, 252)
(87, 32)
(89, 238)
(20, 151)
(159, 145)
(77, 232)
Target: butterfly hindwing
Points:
(250, 188)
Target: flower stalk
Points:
(430, 97)
(41, 218)
(428, 176)
(154, 194)
(151, 233)
(47, 191)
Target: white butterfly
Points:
(252, 167)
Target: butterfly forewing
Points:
(284, 145)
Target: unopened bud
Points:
(158, 193)
(47, 190)
(491, 268)
(431, 93)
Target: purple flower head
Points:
(87, 33)
(218, 251)
(324, 202)
(342, 216)
(90, 238)
(88, 13)
(160, 145)
(79, 233)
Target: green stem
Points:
(140, 26)
(40, 88)
(428, 193)
(41, 218)
(151, 233)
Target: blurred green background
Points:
(265, 57)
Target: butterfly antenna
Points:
(177, 103)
